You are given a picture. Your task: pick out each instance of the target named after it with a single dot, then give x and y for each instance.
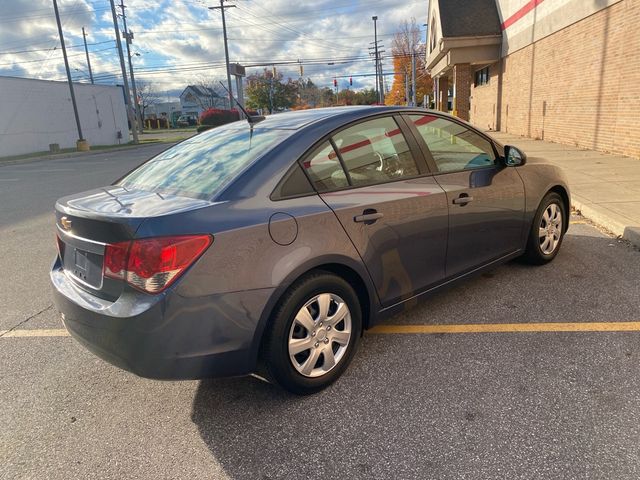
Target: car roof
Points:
(294, 120)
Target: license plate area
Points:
(83, 266)
(82, 260)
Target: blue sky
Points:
(179, 42)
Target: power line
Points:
(54, 48)
(62, 10)
(293, 62)
(290, 29)
(48, 15)
(302, 16)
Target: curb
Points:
(631, 234)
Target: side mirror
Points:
(513, 156)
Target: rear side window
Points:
(324, 169)
(375, 151)
(453, 146)
(203, 165)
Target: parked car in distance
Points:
(187, 120)
(269, 247)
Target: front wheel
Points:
(547, 230)
(313, 334)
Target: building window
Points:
(482, 76)
(432, 43)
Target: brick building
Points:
(566, 71)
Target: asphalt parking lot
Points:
(492, 404)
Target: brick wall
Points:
(484, 100)
(463, 79)
(579, 86)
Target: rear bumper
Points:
(167, 336)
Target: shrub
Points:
(215, 117)
(204, 128)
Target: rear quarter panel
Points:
(246, 266)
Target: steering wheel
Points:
(390, 166)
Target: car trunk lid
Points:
(88, 221)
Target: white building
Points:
(36, 113)
(195, 99)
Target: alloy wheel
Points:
(319, 335)
(550, 229)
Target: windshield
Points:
(201, 166)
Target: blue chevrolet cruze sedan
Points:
(271, 246)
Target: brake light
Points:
(152, 264)
(115, 260)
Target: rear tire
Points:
(313, 334)
(547, 230)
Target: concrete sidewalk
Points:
(604, 187)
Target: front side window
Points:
(202, 165)
(453, 146)
(374, 152)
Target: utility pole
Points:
(128, 36)
(406, 87)
(127, 93)
(226, 47)
(376, 65)
(382, 80)
(81, 144)
(413, 78)
(84, 37)
(375, 39)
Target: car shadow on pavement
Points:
(434, 406)
(256, 430)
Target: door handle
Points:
(463, 199)
(368, 217)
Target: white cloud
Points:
(180, 40)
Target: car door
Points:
(485, 198)
(394, 212)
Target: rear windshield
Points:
(201, 166)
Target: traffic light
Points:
(335, 82)
(350, 81)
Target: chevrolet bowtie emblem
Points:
(66, 223)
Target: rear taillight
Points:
(152, 264)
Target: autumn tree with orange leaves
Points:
(406, 41)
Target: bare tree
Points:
(407, 43)
(147, 95)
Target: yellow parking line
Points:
(510, 327)
(578, 222)
(50, 332)
(424, 329)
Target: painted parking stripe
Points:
(510, 327)
(423, 329)
(47, 332)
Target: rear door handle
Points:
(463, 199)
(368, 217)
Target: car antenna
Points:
(250, 118)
